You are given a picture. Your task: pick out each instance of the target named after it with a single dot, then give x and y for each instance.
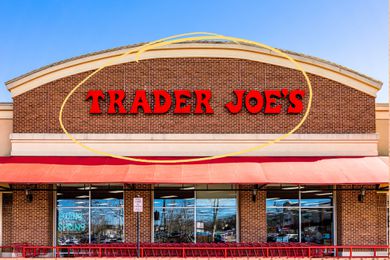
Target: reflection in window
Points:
(216, 213)
(72, 226)
(174, 215)
(282, 225)
(317, 225)
(174, 225)
(285, 197)
(106, 225)
(89, 214)
(180, 211)
(216, 224)
(300, 214)
(316, 197)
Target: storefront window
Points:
(89, 214)
(184, 215)
(300, 214)
(174, 225)
(174, 215)
(317, 225)
(72, 226)
(106, 225)
(283, 225)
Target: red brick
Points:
(335, 109)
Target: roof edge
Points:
(315, 60)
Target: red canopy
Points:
(237, 170)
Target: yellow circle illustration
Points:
(179, 39)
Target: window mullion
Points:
(299, 215)
(89, 215)
(195, 211)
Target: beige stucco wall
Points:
(5, 128)
(382, 128)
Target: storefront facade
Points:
(324, 184)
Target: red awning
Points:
(237, 170)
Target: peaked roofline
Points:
(29, 77)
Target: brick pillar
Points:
(32, 222)
(7, 219)
(130, 216)
(361, 223)
(253, 216)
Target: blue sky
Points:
(353, 33)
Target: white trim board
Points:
(186, 50)
(195, 144)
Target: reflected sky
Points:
(176, 211)
(77, 210)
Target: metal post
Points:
(138, 232)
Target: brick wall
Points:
(335, 109)
(28, 222)
(130, 216)
(361, 223)
(253, 216)
(7, 219)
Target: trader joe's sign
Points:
(194, 102)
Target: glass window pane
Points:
(174, 219)
(216, 225)
(317, 226)
(72, 197)
(317, 196)
(174, 225)
(107, 198)
(106, 219)
(216, 199)
(72, 226)
(282, 225)
(106, 225)
(173, 197)
(286, 196)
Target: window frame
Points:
(237, 208)
(300, 207)
(89, 207)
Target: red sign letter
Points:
(295, 98)
(160, 108)
(180, 97)
(116, 99)
(256, 95)
(236, 108)
(95, 95)
(202, 99)
(270, 101)
(140, 101)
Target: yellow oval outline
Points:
(177, 39)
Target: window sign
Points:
(89, 214)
